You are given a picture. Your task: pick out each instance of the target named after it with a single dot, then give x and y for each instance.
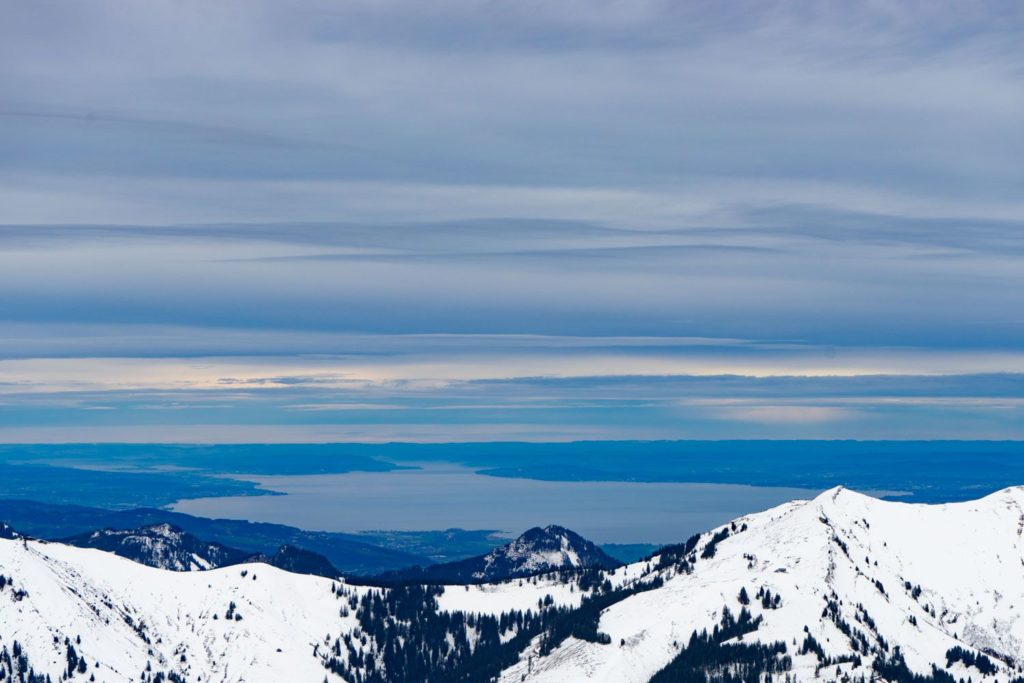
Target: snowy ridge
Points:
(842, 587)
(924, 578)
(124, 617)
(164, 546)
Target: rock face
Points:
(538, 550)
(841, 587)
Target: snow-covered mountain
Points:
(542, 550)
(165, 546)
(115, 620)
(537, 550)
(838, 585)
(361, 554)
(842, 587)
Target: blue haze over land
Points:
(613, 491)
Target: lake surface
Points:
(441, 496)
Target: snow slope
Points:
(128, 615)
(856, 552)
(516, 594)
(857, 575)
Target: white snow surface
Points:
(77, 592)
(968, 559)
(516, 594)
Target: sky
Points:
(452, 221)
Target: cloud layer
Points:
(531, 220)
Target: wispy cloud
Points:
(774, 415)
(645, 109)
(539, 218)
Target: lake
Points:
(441, 496)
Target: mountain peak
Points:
(842, 496)
(537, 550)
(549, 533)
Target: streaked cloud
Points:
(776, 414)
(391, 219)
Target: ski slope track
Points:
(840, 581)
